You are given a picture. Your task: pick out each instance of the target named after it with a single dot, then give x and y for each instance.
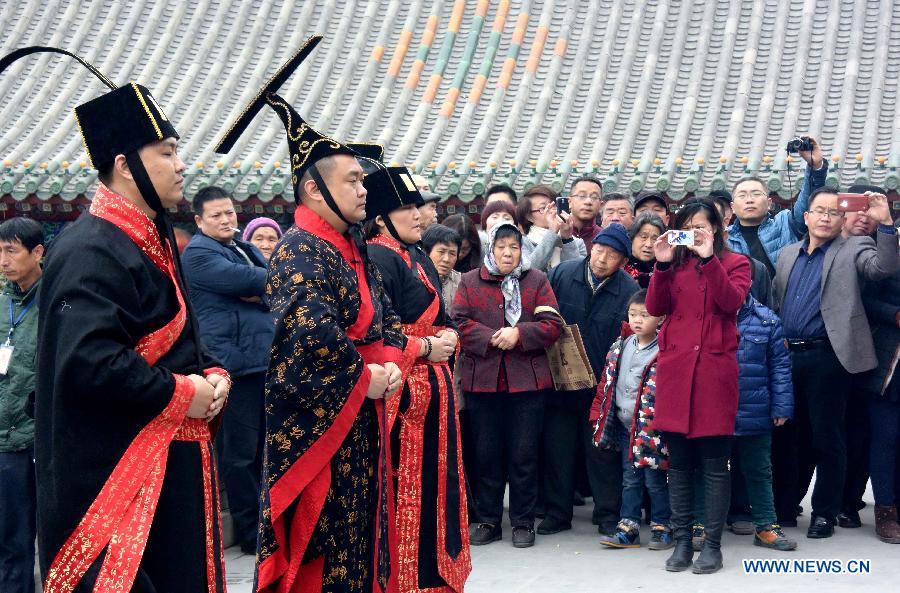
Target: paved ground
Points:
(574, 562)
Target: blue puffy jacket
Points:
(778, 231)
(237, 332)
(767, 391)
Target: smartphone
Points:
(853, 202)
(681, 237)
(562, 204)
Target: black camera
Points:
(803, 143)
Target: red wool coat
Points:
(697, 370)
(478, 312)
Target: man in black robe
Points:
(126, 493)
(326, 510)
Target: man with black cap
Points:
(593, 293)
(127, 493)
(325, 522)
(651, 202)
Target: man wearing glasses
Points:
(761, 235)
(817, 286)
(585, 197)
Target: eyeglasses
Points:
(822, 213)
(543, 209)
(593, 197)
(754, 194)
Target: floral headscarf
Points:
(512, 296)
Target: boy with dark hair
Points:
(629, 380)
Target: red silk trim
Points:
(312, 223)
(309, 476)
(121, 515)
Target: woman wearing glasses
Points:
(549, 233)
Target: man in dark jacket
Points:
(226, 279)
(593, 293)
(21, 250)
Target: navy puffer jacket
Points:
(767, 391)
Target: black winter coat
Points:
(599, 315)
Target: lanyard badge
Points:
(6, 350)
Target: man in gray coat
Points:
(818, 285)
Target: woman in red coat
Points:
(504, 372)
(699, 288)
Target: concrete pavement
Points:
(574, 562)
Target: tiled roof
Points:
(677, 95)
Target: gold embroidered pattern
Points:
(301, 149)
(83, 139)
(140, 97)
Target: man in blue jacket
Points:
(761, 235)
(227, 280)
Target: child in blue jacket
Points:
(766, 401)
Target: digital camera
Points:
(803, 143)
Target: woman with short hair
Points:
(506, 317)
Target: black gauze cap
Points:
(120, 122)
(388, 189)
(306, 144)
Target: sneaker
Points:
(660, 537)
(773, 537)
(627, 535)
(485, 533)
(743, 528)
(698, 536)
(523, 537)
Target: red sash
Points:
(412, 442)
(119, 519)
(310, 475)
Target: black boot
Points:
(717, 491)
(681, 499)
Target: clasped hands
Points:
(210, 394)
(443, 345)
(385, 380)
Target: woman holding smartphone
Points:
(699, 288)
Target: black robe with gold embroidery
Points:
(324, 508)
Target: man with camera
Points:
(761, 235)
(818, 288)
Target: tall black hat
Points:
(306, 144)
(118, 122)
(121, 122)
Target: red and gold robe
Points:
(431, 516)
(127, 495)
(325, 520)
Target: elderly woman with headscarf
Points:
(504, 312)
(264, 233)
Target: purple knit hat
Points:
(258, 222)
